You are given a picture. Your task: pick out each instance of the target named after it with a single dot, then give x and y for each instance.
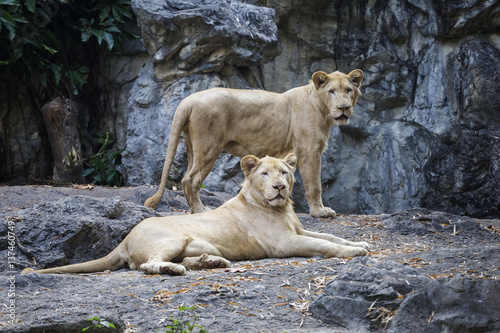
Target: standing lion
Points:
(260, 123)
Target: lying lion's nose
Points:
(279, 187)
(343, 108)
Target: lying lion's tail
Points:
(180, 118)
(112, 261)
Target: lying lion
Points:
(261, 123)
(258, 223)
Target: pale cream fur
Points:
(258, 223)
(261, 123)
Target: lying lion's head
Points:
(269, 180)
(338, 93)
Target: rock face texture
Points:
(426, 131)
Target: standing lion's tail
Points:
(180, 118)
(112, 261)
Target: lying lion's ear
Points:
(356, 77)
(248, 164)
(291, 160)
(319, 79)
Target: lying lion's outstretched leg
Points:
(335, 239)
(205, 261)
(304, 246)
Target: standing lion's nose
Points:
(343, 108)
(279, 187)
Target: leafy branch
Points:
(38, 39)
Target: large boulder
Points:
(371, 295)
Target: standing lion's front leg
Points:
(310, 170)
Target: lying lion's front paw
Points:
(323, 212)
(364, 245)
(351, 251)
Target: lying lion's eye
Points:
(349, 91)
(264, 173)
(284, 172)
(332, 92)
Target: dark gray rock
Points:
(459, 304)
(372, 296)
(365, 286)
(421, 221)
(74, 229)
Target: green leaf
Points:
(51, 43)
(86, 36)
(109, 40)
(56, 72)
(104, 13)
(9, 23)
(30, 4)
(87, 172)
(116, 14)
(99, 34)
(10, 2)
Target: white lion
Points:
(258, 223)
(260, 123)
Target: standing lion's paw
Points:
(323, 212)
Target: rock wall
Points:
(426, 131)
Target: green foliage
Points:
(183, 324)
(102, 166)
(98, 323)
(38, 39)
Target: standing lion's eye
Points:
(264, 173)
(349, 90)
(284, 172)
(332, 92)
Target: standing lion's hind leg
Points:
(203, 160)
(205, 261)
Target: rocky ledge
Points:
(428, 271)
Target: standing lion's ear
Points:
(319, 79)
(356, 77)
(291, 160)
(248, 164)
